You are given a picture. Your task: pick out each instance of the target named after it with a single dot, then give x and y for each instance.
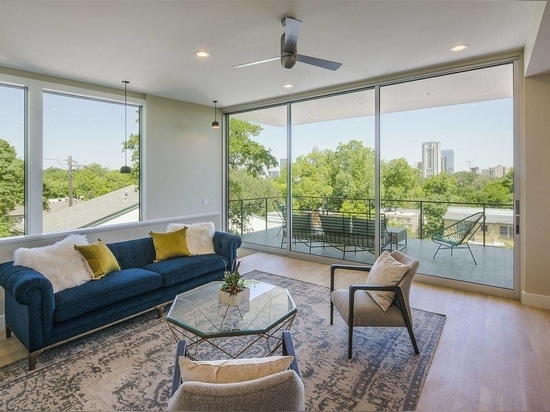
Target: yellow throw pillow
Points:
(99, 257)
(232, 370)
(170, 244)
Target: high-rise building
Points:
(448, 161)
(498, 171)
(431, 159)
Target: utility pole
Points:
(70, 161)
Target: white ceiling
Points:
(152, 43)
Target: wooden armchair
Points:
(280, 391)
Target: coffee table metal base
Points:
(234, 345)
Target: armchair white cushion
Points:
(280, 389)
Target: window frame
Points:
(34, 144)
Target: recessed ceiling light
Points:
(428, 93)
(288, 86)
(202, 53)
(459, 47)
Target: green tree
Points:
(399, 181)
(311, 179)
(11, 185)
(352, 176)
(245, 153)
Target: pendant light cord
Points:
(125, 123)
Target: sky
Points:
(481, 133)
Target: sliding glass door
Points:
(347, 176)
(447, 153)
(333, 177)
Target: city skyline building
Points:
(431, 159)
(448, 161)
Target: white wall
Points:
(183, 159)
(535, 194)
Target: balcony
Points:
(492, 245)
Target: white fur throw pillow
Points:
(199, 236)
(64, 266)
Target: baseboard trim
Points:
(537, 301)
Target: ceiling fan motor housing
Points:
(288, 57)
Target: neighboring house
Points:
(499, 224)
(120, 206)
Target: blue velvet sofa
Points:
(39, 318)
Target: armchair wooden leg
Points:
(413, 339)
(331, 312)
(8, 332)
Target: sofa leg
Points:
(8, 332)
(160, 311)
(33, 356)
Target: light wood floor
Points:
(493, 353)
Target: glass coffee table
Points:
(198, 317)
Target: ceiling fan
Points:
(289, 54)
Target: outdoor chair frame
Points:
(457, 235)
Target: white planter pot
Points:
(234, 300)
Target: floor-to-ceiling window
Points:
(333, 176)
(257, 175)
(369, 175)
(447, 153)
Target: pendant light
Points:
(215, 123)
(125, 168)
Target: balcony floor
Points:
(494, 264)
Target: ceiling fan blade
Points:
(314, 61)
(237, 66)
(292, 32)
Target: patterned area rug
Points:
(129, 366)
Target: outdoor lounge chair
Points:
(458, 234)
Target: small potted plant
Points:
(233, 290)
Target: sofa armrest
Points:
(226, 245)
(22, 283)
(29, 304)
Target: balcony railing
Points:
(259, 223)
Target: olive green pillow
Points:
(99, 257)
(170, 244)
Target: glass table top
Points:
(199, 311)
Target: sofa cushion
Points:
(116, 287)
(170, 245)
(178, 270)
(134, 253)
(99, 257)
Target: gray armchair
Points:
(282, 391)
(358, 308)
